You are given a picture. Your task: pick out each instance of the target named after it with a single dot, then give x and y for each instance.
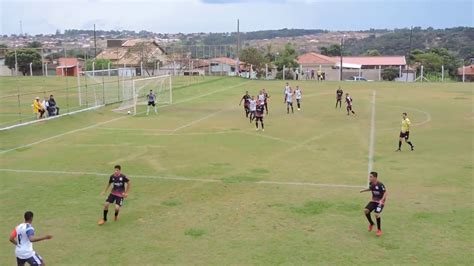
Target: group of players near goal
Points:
(23, 235)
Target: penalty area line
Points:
(179, 178)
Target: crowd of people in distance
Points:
(45, 108)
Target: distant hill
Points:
(458, 40)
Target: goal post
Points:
(161, 86)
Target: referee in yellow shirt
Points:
(405, 133)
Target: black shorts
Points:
(289, 103)
(339, 99)
(34, 260)
(259, 118)
(405, 135)
(252, 112)
(113, 198)
(349, 108)
(374, 206)
(151, 103)
(298, 100)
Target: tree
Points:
(433, 59)
(372, 52)
(146, 51)
(390, 74)
(332, 50)
(269, 56)
(100, 64)
(34, 44)
(252, 56)
(3, 49)
(287, 58)
(24, 56)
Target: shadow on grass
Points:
(171, 202)
(194, 232)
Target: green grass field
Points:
(208, 189)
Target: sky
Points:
(187, 16)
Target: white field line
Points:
(50, 118)
(135, 129)
(372, 135)
(111, 120)
(176, 178)
(268, 137)
(198, 120)
(60, 135)
(427, 114)
(112, 145)
(188, 133)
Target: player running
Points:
(259, 115)
(349, 104)
(405, 133)
(266, 100)
(289, 101)
(151, 102)
(23, 237)
(339, 94)
(118, 193)
(246, 99)
(252, 108)
(298, 95)
(379, 195)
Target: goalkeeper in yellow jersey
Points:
(405, 133)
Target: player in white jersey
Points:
(261, 97)
(252, 108)
(23, 237)
(151, 97)
(289, 101)
(286, 90)
(298, 96)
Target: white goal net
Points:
(161, 87)
(102, 87)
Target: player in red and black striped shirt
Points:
(118, 193)
(259, 115)
(246, 98)
(379, 195)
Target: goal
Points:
(100, 87)
(161, 86)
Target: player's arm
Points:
(365, 190)
(382, 201)
(12, 237)
(41, 238)
(106, 188)
(240, 103)
(127, 189)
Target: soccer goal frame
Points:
(160, 100)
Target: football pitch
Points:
(207, 188)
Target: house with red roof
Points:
(467, 72)
(367, 66)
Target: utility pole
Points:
(409, 51)
(95, 44)
(238, 38)
(340, 67)
(21, 28)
